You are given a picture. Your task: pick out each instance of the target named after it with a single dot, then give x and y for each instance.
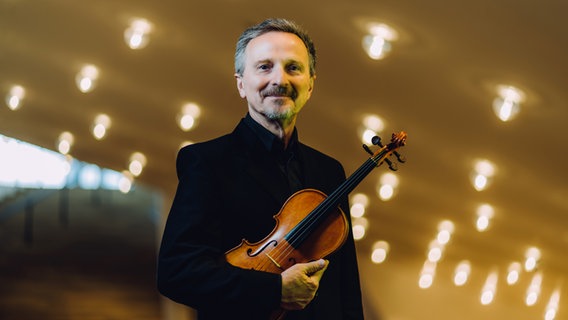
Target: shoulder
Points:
(204, 154)
(312, 154)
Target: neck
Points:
(282, 128)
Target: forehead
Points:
(276, 45)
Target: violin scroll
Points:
(397, 140)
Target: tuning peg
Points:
(392, 165)
(376, 140)
(400, 157)
(366, 147)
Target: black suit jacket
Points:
(229, 189)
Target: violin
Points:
(310, 225)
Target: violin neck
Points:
(298, 234)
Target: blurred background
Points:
(98, 97)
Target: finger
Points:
(319, 274)
(316, 266)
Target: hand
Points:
(300, 284)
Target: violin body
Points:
(275, 254)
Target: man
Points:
(231, 187)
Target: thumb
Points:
(316, 266)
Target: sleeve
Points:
(192, 269)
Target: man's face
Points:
(276, 79)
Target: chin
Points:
(282, 114)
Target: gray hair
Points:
(269, 25)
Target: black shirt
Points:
(288, 159)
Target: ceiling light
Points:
(101, 124)
(380, 251)
(533, 291)
(359, 227)
(552, 306)
(427, 274)
(86, 78)
(513, 273)
(462, 273)
(387, 186)
(489, 288)
(125, 182)
(359, 204)
(485, 213)
(14, 98)
(137, 163)
(371, 126)
(532, 256)
(445, 231)
(136, 35)
(187, 118)
(435, 251)
(377, 43)
(482, 174)
(65, 142)
(507, 103)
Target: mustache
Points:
(280, 91)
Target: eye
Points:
(264, 67)
(294, 68)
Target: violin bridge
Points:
(273, 261)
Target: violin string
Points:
(311, 220)
(305, 226)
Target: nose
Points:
(279, 76)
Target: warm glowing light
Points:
(378, 43)
(489, 288)
(380, 251)
(427, 275)
(514, 273)
(15, 97)
(552, 306)
(435, 251)
(533, 291)
(532, 256)
(367, 136)
(101, 124)
(125, 182)
(462, 273)
(136, 35)
(135, 167)
(446, 225)
(374, 123)
(386, 192)
(483, 171)
(357, 210)
(64, 142)
(507, 104)
(137, 163)
(390, 179)
(187, 118)
(485, 213)
(86, 79)
(359, 228)
(485, 167)
(388, 183)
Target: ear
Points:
(240, 86)
(311, 87)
